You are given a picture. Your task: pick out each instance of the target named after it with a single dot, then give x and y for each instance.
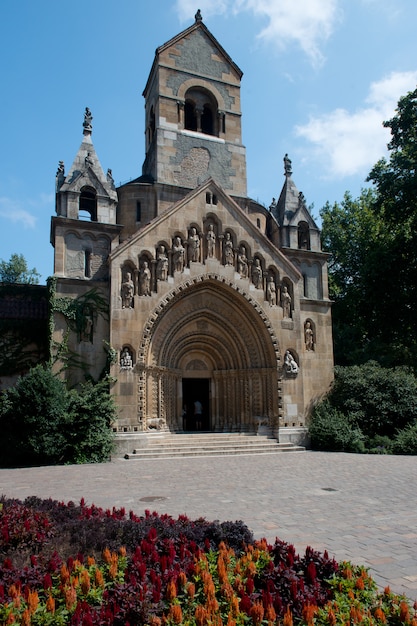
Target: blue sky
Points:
(320, 76)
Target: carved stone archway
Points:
(209, 327)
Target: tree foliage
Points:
(16, 271)
(42, 423)
(373, 246)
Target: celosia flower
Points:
(309, 611)
(175, 612)
(50, 605)
(85, 582)
(200, 615)
(191, 590)
(171, 591)
(33, 601)
(380, 615)
(257, 612)
(25, 618)
(287, 621)
(404, 612)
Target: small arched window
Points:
(303, 236)
(88, 204)
(200, 112)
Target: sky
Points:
(319, 79)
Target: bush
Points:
(406, 440)
(42, 423)
(378, 400)
(331, 430)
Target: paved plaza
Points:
(361, 508)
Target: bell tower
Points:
(193, 115)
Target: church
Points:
(196, 294)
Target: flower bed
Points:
(82, 565)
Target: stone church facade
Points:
(212, 297)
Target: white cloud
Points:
(307, 24)
(11, 210)
(351, 143)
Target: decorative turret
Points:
(86, 188)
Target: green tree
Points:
(16, 271)
(373, 246)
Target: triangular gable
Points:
(200, 28)
(238, 215)
(291, 207)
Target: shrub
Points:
(42, 423)
(330, 429)
(406, 440)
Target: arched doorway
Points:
(208, 331)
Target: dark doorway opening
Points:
(196, 390)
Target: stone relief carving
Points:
(194, 245)
(271, 291)
(126, 361)
(145, 279)
(308, 337)
(127, 292)
(178, 255)
(290, 364)
(242, 263)
(162, 265)
(286, 302)
(257, 274)
(211, 242)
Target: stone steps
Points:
(209, 444)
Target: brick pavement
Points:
(357, 507)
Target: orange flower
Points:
(360, 583)
(270, 614)
(64, 574)
(114, 560)
(257, 612)
(404, 612)
(175, 613)
(85, 582)
(26, 618)
(50, 605)
(182, 580)
(191, 590)
(33, 601)
(200, 615)
(380, 615)
(287, 621)
(107, 556)
(155, 621)
(70, 597)
(171, 590)
(122, 551)
(234, 606)
(91, 561)
(98, 578)
(331, 617)
(309, 611)
(14, 592)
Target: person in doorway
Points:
(198, 415)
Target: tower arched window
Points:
(88, 204)
(200, 112)
(303, 236)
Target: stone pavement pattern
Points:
(357, 507)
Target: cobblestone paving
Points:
(360, 508)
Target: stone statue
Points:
(88, 118)
(162, 265)
(145, 279)
(179, 255)
(287, 166)
(286, 302)
(126, 361)
(128, 290)
(194, 245)
(273, 204)
(110, 178)
(257, 274)
(61, 169)
(229, 256)
(198, 16)
(87, 330)
(290, 363)
(308, 336)
(211, 242)
(271, 291)
(88, 160)
(242, 263)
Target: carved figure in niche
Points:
(211, 242)
(162, 266)
(308, 336)
(87, 329)
(229, 256)
(126, 359)
(257, 274)
(128, 290)
(290, 363)
(179, 255)
(242, 263)
(286, 302)
(145, 279)
(194, 245)
(271, 291)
